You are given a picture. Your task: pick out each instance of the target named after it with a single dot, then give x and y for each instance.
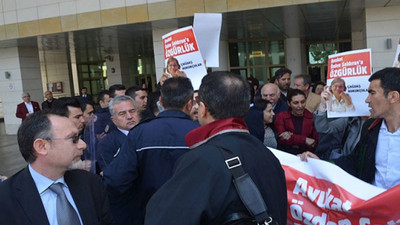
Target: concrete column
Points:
(54, 63)
(73, 67)
(293, 29)
(23, 65)
(116, 72)
(293, 55)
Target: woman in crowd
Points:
(340, 101)
(295, 127)
(172, 70)
(319, 87)
(268, 116)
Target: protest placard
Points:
(207, 27)
(347, 80)
(321, 193)
(182, 45)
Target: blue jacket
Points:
(147, 159)
(108, 147)
(103, 122)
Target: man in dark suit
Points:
(35, 195)
(270, 92)
(85, 95)
(49, 100)
(27, 107)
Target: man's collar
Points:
(41, 181)
(202, 134)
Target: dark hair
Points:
(176, 92)
(390, 79)
(282, 71)
(84, 88)
(102, 94)
(132, 91)
(84, 102)
(336, 80)
(152, 100)
(294, 92)
(173, 59)
(60, 107)
(114, 88)
(35, 126)
(253, 81)
(306, 78)
(316, 84)
(225, 94)
(261, 104)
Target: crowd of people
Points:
(155, 158)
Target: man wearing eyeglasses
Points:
(27, 107)
(46, 191)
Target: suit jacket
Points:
(88, 97)
(22, 110)
(312, 102)
(47, 105)
(108, 147)
(297, 142)
(20, 202)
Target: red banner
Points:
(350, 64)
(321, 193)
(179, 43)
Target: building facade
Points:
(63, 45)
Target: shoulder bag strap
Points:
(246, 188)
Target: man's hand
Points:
(346, 98)
(310, 142)
(286, 135)
(305, 155)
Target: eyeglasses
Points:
(338, 86)
(75, 139)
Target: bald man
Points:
(270, 92)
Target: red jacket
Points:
(297, 142)
(22, 110)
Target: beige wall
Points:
(381, 24)
(19, 62)
(24, 18)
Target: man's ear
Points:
(188, 106)
(308, 87)
(394, 96)
(161, 102)
(203, 113)
(41, 147)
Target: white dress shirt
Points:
(29, 106)
(49, 198)
(387, 158)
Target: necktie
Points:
(66, 214)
